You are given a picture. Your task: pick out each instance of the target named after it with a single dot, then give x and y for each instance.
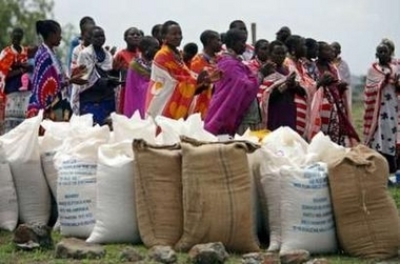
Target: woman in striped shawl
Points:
(330, 109)
(281, 93)
(381, 106)
(297, 50)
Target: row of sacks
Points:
(312, 195)
(322, 198)
(84, 168)
(167, 192)
(27, 167)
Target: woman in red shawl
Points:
(381, 106)
(330, 109)
(296, 52)
(281, 94)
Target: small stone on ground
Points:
(131, 255)
(253, 258)
(73, 248)
(295, 257)
(163, 254)
(208, 253)
(33, 236)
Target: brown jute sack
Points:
(158, 193)
(217, 198)
(367, 220)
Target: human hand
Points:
(24, 67)
(283, 87)
(387, 78)
(118, 64)
(291, 80)
(29, 68)
(114, 81)
(396, 78)
(77, 81)
(203, 79)
(215, 75)
(268, 68)
(326, 80)
(113, 50)
(397, 81)
(78, 72)
(342, 87)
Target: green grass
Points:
(10, 255)
(357, 116)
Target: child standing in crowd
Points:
(138, 77)
(13, 67)
(122, 60)
(206, 60)
(27, 78)
(97, 97)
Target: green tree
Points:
(24, 14)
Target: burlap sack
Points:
(367, 220)
(158, 193)
(217, 198)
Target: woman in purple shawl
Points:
(139, 77)
(235, 93)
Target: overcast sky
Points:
(358, 25)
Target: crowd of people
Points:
(291, 81)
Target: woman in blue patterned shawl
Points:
(50, 85)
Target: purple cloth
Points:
(137, 82)
(232, 97)
(281, 110)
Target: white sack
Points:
(21, 146)
(116, 208)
